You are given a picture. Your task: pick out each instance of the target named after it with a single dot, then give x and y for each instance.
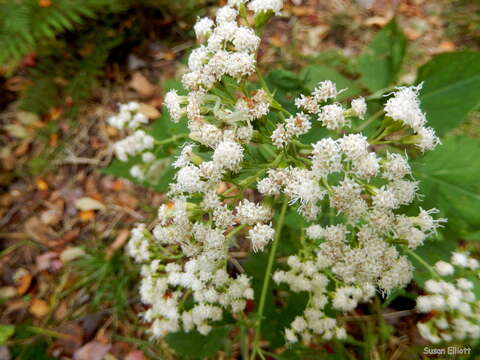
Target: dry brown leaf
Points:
(44, 261)
(38, 308)
(88, 203)
(93, 350)
(141, 85)
(37, 231)
(73, 339)
(149, 111)
(135, 355)
(22, 148)
(120, 240)
(50, 217)
(7, 292)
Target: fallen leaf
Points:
(53, 141)
(71, 253)
(92, 351)
(22, 148)
(44, 261)
(141, 85)
(50, 217)
(61, 311)
(23, 279)
(87, 203)
(38, 308)
(149, 111)
(87, 215)
(446, 46)
(38, 231)
(27, 118)
(135, 355)
(73, 339)
(41, 184)
(118, 185)
(120, 240)
(17, 131)
(45, 3)
(7, 292)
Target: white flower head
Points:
(359, 107)
(203, 27)
(258, 6)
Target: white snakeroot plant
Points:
(351, 188)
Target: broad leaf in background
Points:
(451, 88)
(449, 181)
(193, 345)
(381, 61)
(312, 75)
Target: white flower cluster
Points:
(128, 116)
(333, 116)
(452, 303)
(404, 106)
(214, 200)
(133, 145)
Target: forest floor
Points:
(66, 284)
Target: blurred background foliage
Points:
(63, 46)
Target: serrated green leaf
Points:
(196, 346)
(381, 61)
(449, 180)
(451, 88)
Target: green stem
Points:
(244, 342)
(369, 121)
(421, 261)
(235, 231)
(171, 139)
(268, 275)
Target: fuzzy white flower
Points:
(359, 107)
(258, 6)
(228, 155)
(260, 235)
(332, 116)
(203, 27)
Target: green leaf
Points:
(312, 75)
(193, 345)
(381, 61)
(449, 180)
(451, 88)
(5, 332)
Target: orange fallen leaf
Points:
(38, 308)
(53, 141)
(446, 46)
(87, 215)
(24, 282)
(118, 185)
(55, 113)
(45, 3)
(41, 184)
